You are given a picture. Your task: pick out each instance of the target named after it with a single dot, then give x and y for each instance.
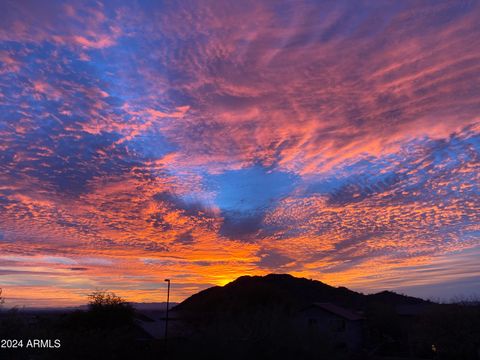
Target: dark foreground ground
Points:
(446, 332)
(276, 317)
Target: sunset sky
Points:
(200, 141)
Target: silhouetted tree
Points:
(106, 330)
(103, 299)
(108, 310)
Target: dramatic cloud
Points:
(207, 140)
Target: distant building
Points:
(342, 327)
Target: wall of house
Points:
(318, 323)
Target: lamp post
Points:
(166, 315)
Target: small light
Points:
(434, 348)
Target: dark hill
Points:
(392, 298)
(249, 293)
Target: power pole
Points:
(166, 315)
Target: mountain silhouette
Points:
(252, 292)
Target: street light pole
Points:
(166, 315)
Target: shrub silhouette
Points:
(105, 331)
(104, 299)
(107, 310)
